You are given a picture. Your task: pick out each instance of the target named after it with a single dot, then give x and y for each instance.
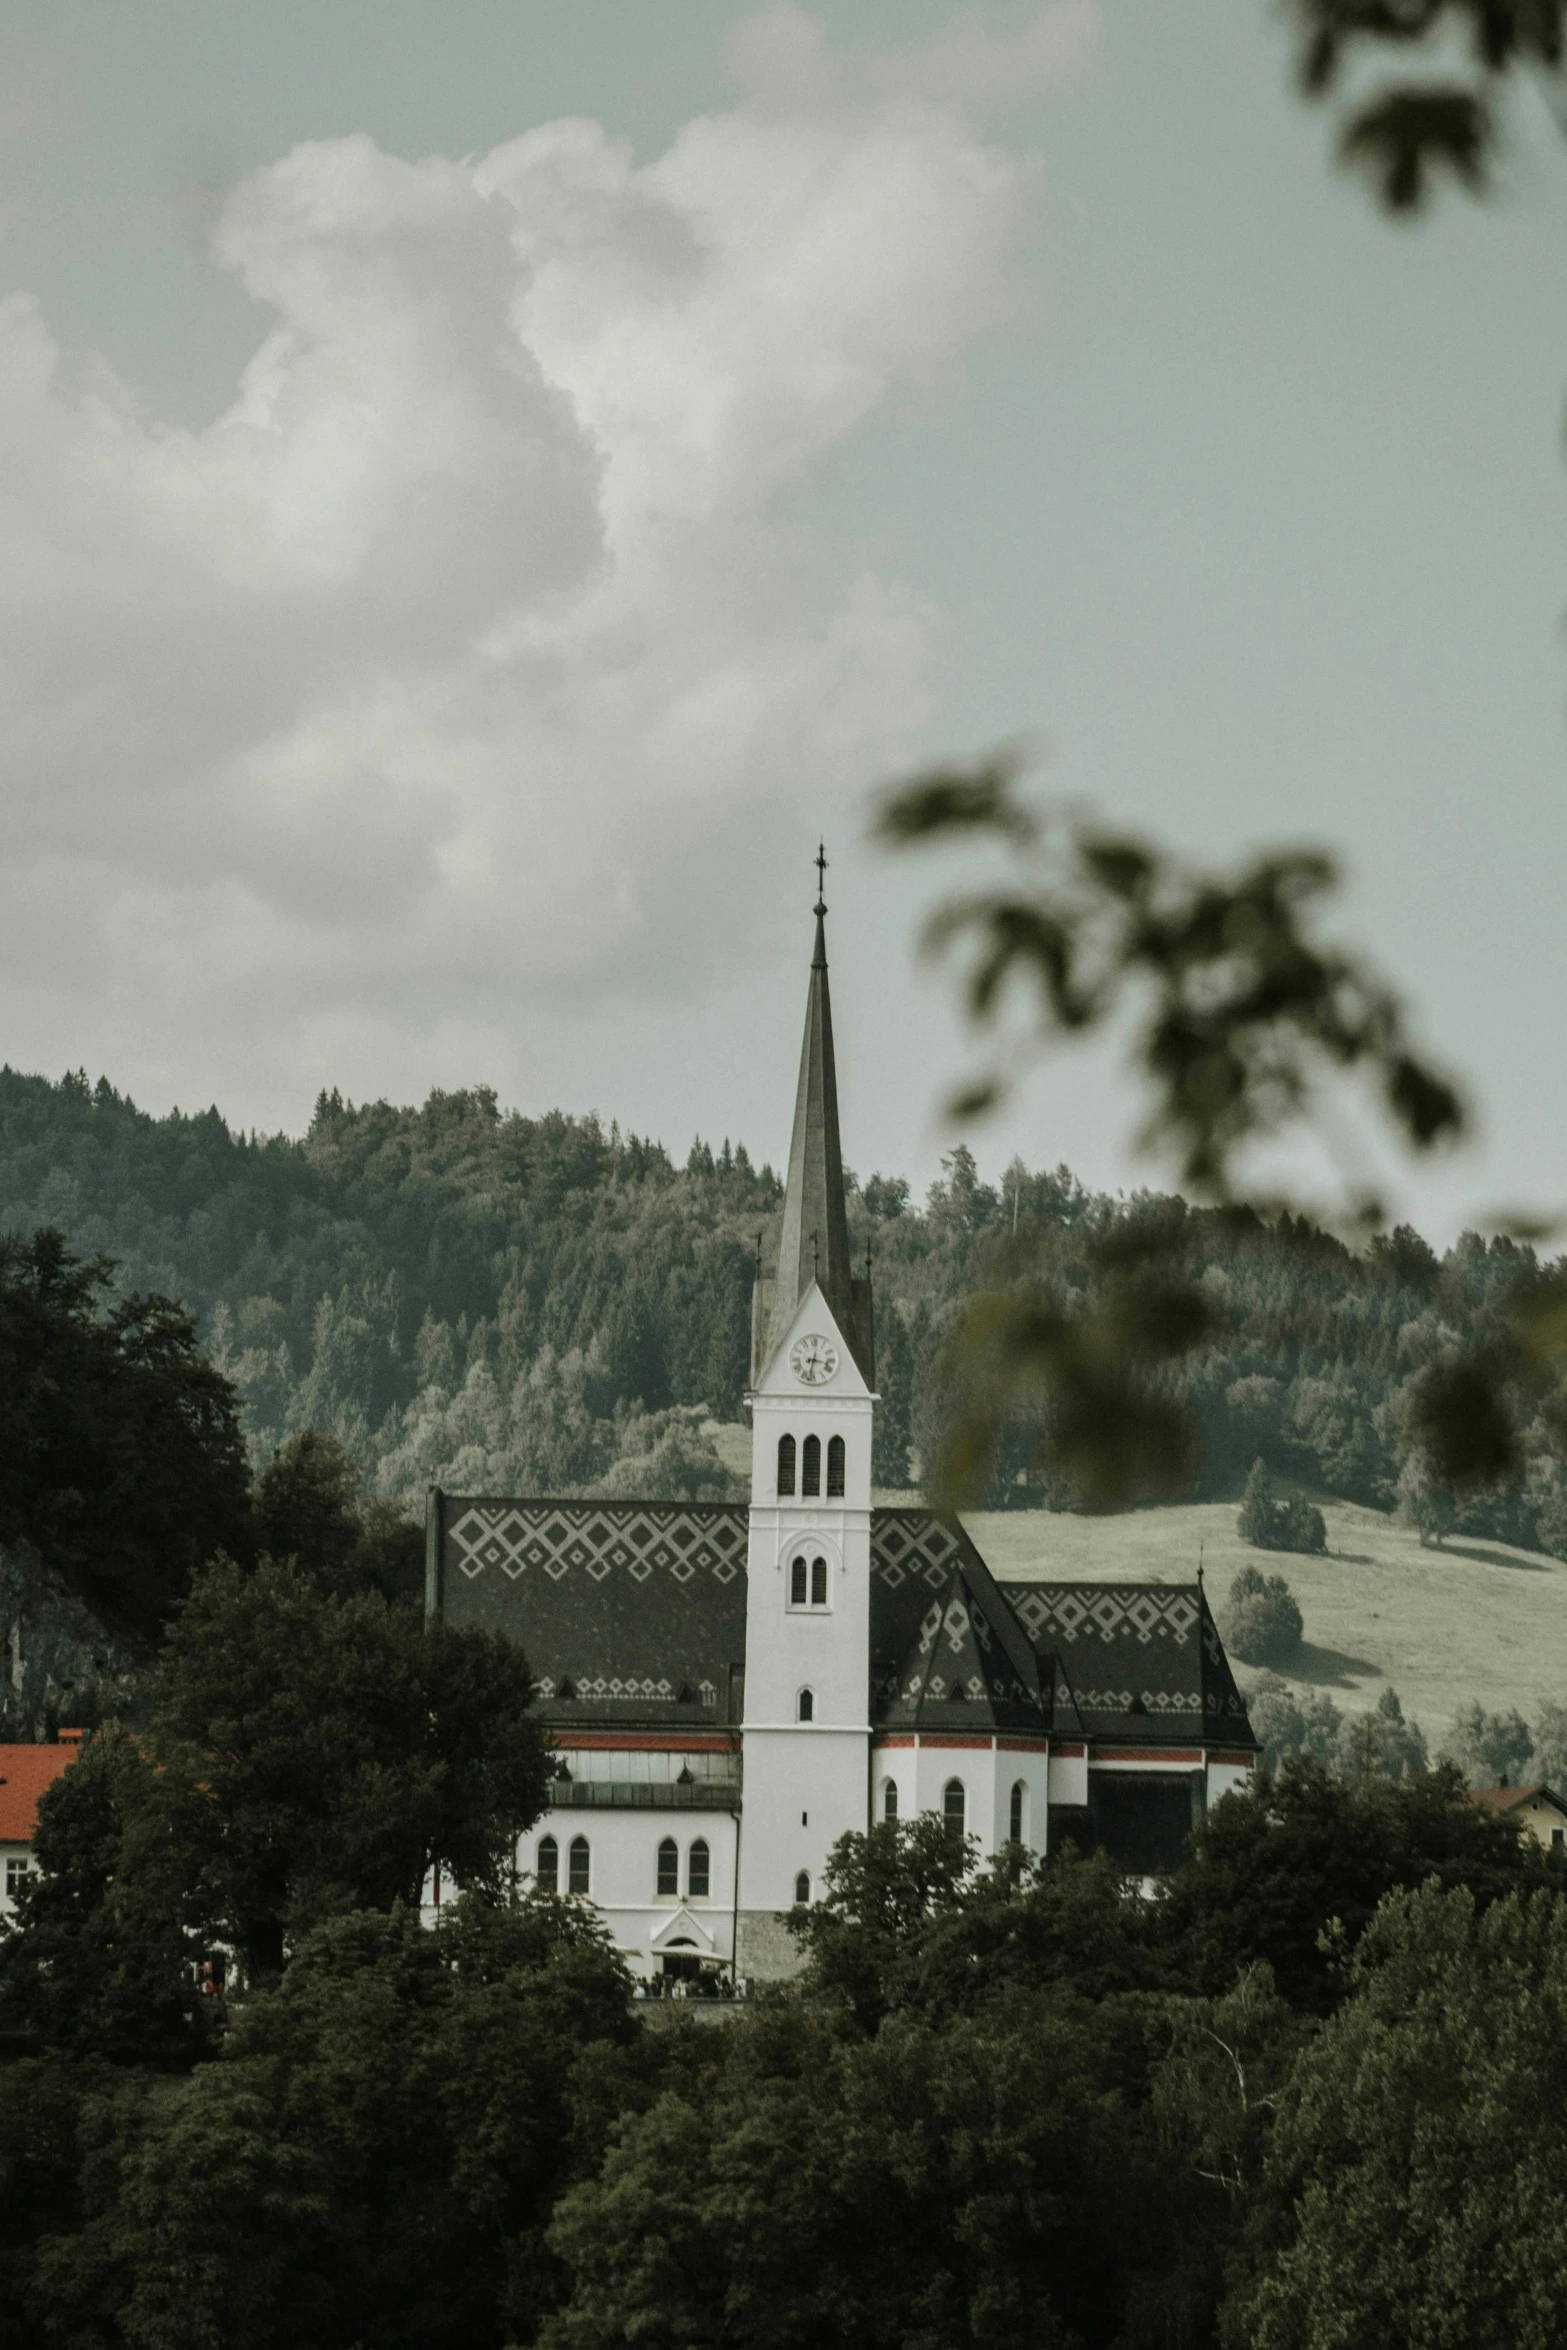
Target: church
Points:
(729, 1689)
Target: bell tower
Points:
(806, 1732)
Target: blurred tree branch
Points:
(1441, 116)
(1239, 1011)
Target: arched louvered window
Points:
(811, 1465)
(806, 1708)
(577, 1879)
(1015, 1817)
(669, 1866)
(954, 1805)
(786, 1464)
(697, 1870)
(797, 1582)
(836, 1458)
(889, 1800)
(818, 1582)
(802, 1887)
(546, 1865)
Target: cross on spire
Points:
(820, 862)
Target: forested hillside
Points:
(544, 1304)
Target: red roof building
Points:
(25, 1771)
(1540, 1810)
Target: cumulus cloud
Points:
(399, 693)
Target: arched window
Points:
(577, 1878)
(818, 1582)
(807, 1706)
(835, 1467)
(669, 1866)
(811, 1465)
(786, 1464)
(697, 1870)
(797, 1582)
(802, 1887)
(889, 1800)
(546, 1865)
(1015, 1819)
(954, 1806)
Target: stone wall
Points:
(56, 1659)
(766, 1951)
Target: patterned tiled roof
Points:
(1143, 1659)
(946, 1649)
(634, 1612)
(628, 1611)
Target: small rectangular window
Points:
(17, 1873)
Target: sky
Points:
(485, 487)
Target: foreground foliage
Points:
(1018, 2105)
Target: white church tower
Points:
(806, 1730)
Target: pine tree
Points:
(1257, 1521)
(894, 1415)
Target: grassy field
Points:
(1473, 1620)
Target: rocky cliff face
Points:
(57, 1661)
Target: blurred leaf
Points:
(1459, 1415)
(1407, 134)
(957, 799)
(974, 1100)
(1417, 127)
(1238, 1008)
(1107, 1433)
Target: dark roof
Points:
(629, 1611)
(1144, 1660)
(947, 1653)
(634, 1613)
(813, 1242)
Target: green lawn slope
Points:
(1475, 1619)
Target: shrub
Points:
(1263, 1624)
(1270, 1524)
(1290, 1726)
(1423, 1504)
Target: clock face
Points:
(813, 1358)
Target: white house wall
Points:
(623, 1872)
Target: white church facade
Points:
(730, 1689)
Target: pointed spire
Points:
(814, 1244)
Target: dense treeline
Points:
(1020, 2105)
(545, 1304)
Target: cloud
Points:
(401, 694)
(782, 53)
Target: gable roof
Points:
(634, 1614)
(947, 1652)
(1506, 1799)
(1144, 1660)
(25, 1771)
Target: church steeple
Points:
(814, 1243)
